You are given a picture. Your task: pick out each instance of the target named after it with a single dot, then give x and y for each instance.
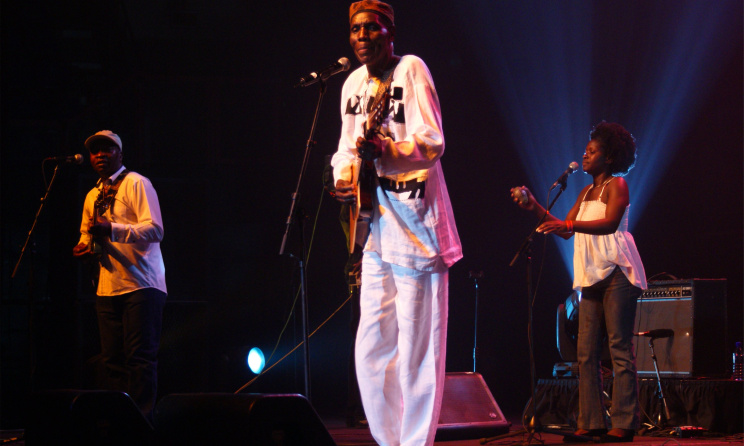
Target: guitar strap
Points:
(383, 88)
(107, 195)
(104, 201)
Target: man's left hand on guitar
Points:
(345, 192)
(369, 149)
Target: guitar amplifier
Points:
(695, 310)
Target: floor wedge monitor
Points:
(468, 409)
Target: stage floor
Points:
(713, 407)
(344, 436)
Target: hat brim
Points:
(95, 138)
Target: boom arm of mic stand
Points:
(305, 160)
(36, 219)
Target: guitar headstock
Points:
(379, 108)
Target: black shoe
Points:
(618, 436)
(584, 435)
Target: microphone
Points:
(72, 159)
(562, 180)
(335, 68)
(657, 333)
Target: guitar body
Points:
(95, 246)
(363, 177)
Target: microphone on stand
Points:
(562, 179)
(335, 68)
(657, 333)
(72, 159)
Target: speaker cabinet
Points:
(85, 417)
(695, 310)
(239, 419)
(468, 409)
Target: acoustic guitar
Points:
(363, 171)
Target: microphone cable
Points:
(294, 306)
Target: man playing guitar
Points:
(391, 123)
(121, 216)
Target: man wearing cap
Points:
(401, 341)
(121, 229)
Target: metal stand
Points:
(302, 260)
(475, 276)
(662, 416)
(36, 220)
(534, 425)
(31, 278)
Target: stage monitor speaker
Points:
(85, 417)
(238, 419)
(695, 309)
(468, 409)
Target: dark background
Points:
(202, 95)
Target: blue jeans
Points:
(610, 303)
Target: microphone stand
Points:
(302, 260)
(31, 346)
(525, 250)
(36, 220)
(475, 276)
(663, 410)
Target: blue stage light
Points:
(255, 360)
(559, 68)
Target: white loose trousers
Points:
(400, 350)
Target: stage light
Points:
(567, 327)
(559, 68)
(567, 330)
(255, 360)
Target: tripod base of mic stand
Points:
(657, 423)
(535, 428)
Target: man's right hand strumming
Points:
(82, 251)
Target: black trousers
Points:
(130, 326)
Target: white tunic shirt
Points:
(417, 233)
